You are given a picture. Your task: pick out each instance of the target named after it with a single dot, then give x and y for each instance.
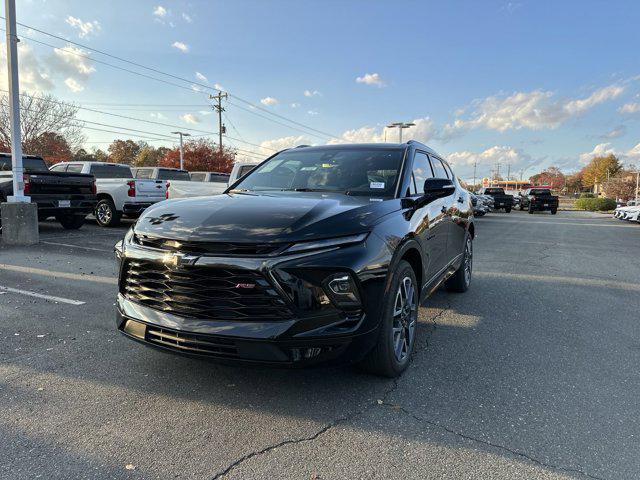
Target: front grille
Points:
(190, 342)
(200, 292)
(209, 248)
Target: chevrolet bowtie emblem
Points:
(179, 259)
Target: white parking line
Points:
(40, 295)
(55, 274)
(78, 246)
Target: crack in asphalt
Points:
(310, 438)
(491, 444)
(395, 382)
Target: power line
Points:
(152, 122)
(176, 77)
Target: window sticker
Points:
(376, 185)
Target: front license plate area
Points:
(64, 203)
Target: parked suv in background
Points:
(540, 199)
(318, 253)
(118, 193)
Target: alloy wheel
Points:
(405, 317)
(468, 261)
(104, 213)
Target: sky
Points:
(526, 84)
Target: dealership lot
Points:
(532, 373)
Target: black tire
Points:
(530, 209)
(554, 211)
(521, 207)
(507, 210)
(459, 282)
(383, 359)
(106, 213)
(70, 222)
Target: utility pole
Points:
(14, 103)
(219, 108)
(400, 126)
(182, 134)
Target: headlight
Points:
(326, 243)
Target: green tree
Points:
(599, 169)
(124, 151)
(149, 156)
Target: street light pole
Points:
(182, 134)
(400, 126)
(14, 103)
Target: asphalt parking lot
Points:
(533, 373)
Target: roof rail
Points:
(302, 146)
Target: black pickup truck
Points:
(540, 199)
(500, 199)
(68, 197)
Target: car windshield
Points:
(354, 171)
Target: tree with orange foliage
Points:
(551, 176)
(51, 146)
(201, 155)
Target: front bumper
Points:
(305, 338)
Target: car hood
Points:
(260, 218)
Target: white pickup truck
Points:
(117, 191)
(195, 188)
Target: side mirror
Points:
(438, 188)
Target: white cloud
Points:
(312, 112)
(269, 101)
(183, 47)
(160, 11)
(295, 105)
(158, 116)
(311, 93)
(84, 28)
(201, 77)
(534, 110)
(190, 118)
(575, 107)
(371, 79)
(187, 18)
(73, 85)
(423, 131)
(217, 86)
(619, 131)
(72, 60)
(505, 155)
(630, 108)
(277, 144)
(604, 149)
(34, 74)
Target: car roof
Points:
(369, 146)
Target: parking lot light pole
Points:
(400, 126)
(19, 216)
(637, 184)
(182, 134)
(14, 104)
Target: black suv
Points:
(319, 253)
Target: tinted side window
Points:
(421, 170)
(438, 168)
(74, 168)
(447, 167)
(198, 177)
(59, 168)
(245, 169)
(219, 178)
(146, 173)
